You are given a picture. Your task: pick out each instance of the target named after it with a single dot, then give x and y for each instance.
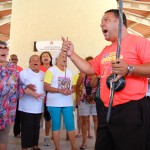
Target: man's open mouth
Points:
(104, 31)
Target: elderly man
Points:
(14, 59)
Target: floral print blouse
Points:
(88, 99)
(11, 88)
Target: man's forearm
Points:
(141, 70)
(83, 65)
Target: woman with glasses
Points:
(11, 87)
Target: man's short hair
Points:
(116, 13)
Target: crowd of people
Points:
(49, 88)
(46, 88)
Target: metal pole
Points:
(66, 63)
(112, 87)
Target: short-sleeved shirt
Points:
(19, 68)
(75, 79)
(42, 68)
(27, 101)
(135, 51)
(57, 79)
(11, 88)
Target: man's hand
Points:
(67, 47)
(119, 67)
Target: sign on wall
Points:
(47, 45)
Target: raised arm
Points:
(83, 65)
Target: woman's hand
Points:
(31, 87)
(34, 94)
(38, 96)
(65, 91)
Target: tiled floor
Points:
(14, 143)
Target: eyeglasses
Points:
(3, 47)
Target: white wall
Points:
(39, 20)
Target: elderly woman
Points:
(11, 87)
(30, 108)
(58, 84)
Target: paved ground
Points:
(14, 143)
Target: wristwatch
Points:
(130, 69)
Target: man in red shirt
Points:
(127, 127)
